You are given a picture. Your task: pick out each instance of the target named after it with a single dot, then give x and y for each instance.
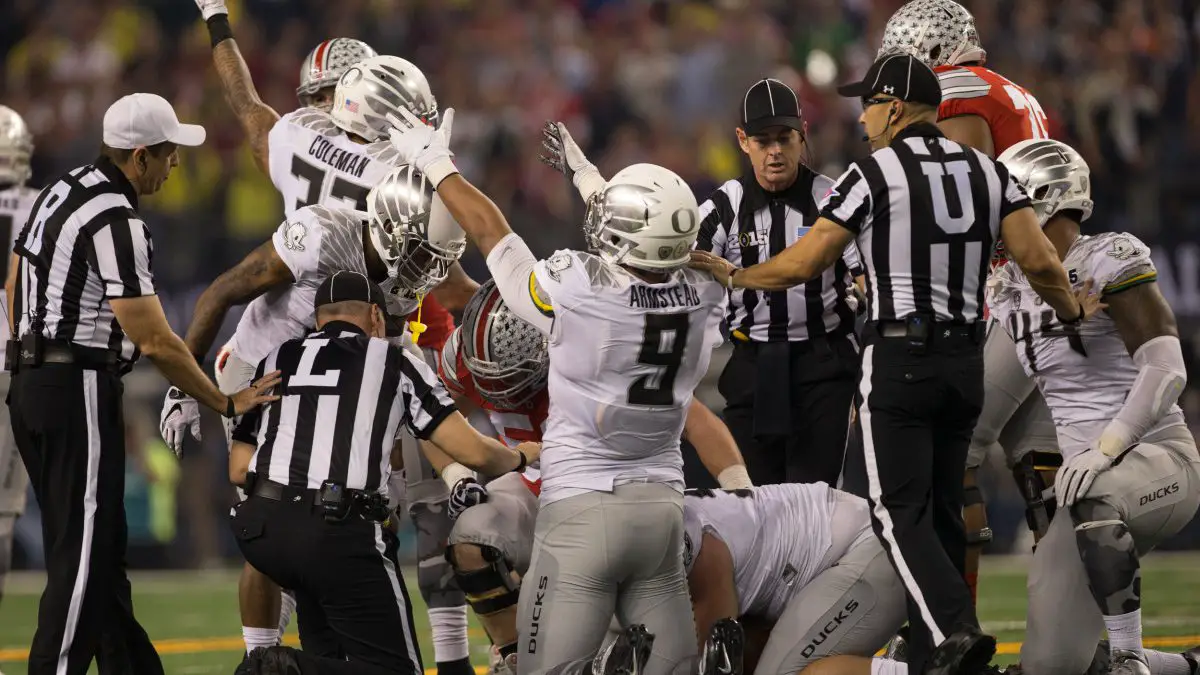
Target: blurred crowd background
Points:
(634, 80)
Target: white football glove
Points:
(1077, 474)
(180, 413)
(423, 146)
(467, 492)
(561, 153)
(211, 8)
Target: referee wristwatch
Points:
(1071, 323)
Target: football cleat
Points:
(270, 661)
(897, 647)
(1192, 656)
(1125, 662)
(967, 650)
(1100, 660)
(627, 655)
(723, 650)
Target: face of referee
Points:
(775, 154)
(879, 115)
(152, 168)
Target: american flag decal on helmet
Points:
(352, 106)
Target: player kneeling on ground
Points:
(500, 362)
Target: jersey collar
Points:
(798, 195)
(918, 129)
(114, 174)
(337, 327)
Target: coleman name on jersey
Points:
(338, 158)
(645, 297)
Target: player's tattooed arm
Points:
(1141, 314)
(256, 117)
(258, 272)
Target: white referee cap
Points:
(139, 120)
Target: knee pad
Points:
(1111, 561)
(973, 502)
(1034, 474)
(436, 582)
(491, 589)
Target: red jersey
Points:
(514, 426)
(439, 321)
(1011, 112)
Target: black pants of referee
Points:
(808, 441)
(70, 431)
(916, 413)
(346, 582)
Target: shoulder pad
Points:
(382, 152)
(1118, 261)
(312, 119)
(962, 83)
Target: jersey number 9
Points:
(664, 339)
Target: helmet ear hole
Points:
(935, 53)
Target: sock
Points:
(259, 637)
(1125, 631)
(287, 607)
(888, 667)
(1162, 663)
(449, 628)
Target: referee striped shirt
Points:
(926, 213)
(344, 397)
(83, 245)
(746, 225)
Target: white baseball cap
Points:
(140, 120)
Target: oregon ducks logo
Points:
(683, 220)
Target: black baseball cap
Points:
(770, 103)
(899, 75)
(345, 286)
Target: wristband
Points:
(734, 478)
(219, 29)
(524, 461)
(1077, 320)
(454, 472)
(729, 279)
(230, 410)
(439, 170)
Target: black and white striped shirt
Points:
(344, 397)
(746, 225)
(83, 245)
(926, 212)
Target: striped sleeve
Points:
(1013, 197)
(716, 217)
(849, 201)
(123, 257)
(426, 402)
(246, 429)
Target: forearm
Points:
(1051, 284)
(176, 363)
(445, 466)
(1160, 381)
(10, 290)
(780, 273)
(478, 216)
(716, 447)
(255, 117)
(207, 318)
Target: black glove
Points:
(467, 492)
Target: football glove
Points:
(467, 492)
(423, 146)
(211, 8)
(180, 413)
(1077, 474)
(561, 153)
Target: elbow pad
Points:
(1160, 381)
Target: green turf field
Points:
(193, 616)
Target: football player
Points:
(16, 201)
(990, 113)
(328, 157)
(501, 366)
(631, 336)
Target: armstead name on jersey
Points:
(645, 297)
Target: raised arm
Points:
(256, 117)
(259, 271)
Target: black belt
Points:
(68, 353)
(278, 492)
(938, 330)
(369, 505)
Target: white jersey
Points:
(1084, 373)
(312, 161)
(314, 243)
(778, 536)
(15, 204)
(625, 359)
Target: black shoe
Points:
(964, 652)
(244, 668)
(897, 647)
(1101, 661)
(722, 653)
(1192, 656)
(270, 661)
(627, 655)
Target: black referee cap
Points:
(770, 103)
(901, 76)
(345, 286)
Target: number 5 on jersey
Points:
(664, 340)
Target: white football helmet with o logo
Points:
(372, 89)
(646, 217)
(325, 65)
(1054, 175)
(937, 32)
(16, 148)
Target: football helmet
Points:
(508, 358)
(448, 361)
(938, 32)
(417, 256)
(1054, 175)
(326, 64)
(645, 217)
(371, 89)
(16, 148)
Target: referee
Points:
(318, 462)
(85, 307)
(926, 213)
(789, 385)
